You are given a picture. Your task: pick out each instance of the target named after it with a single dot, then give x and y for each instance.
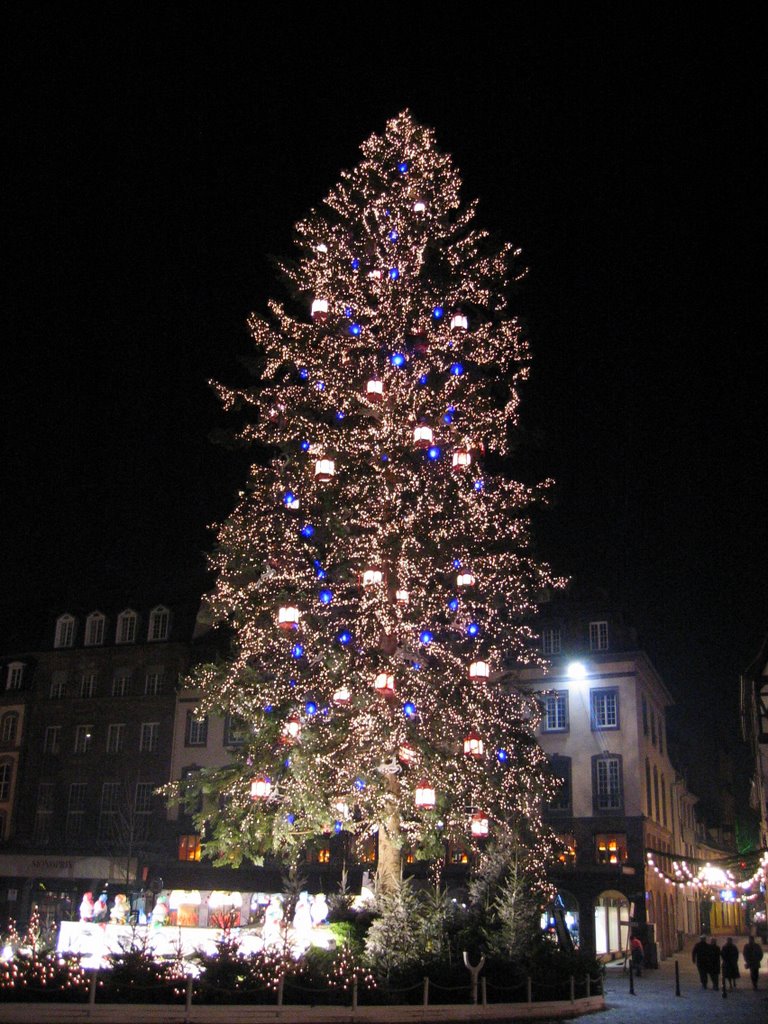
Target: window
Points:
(656, 792)
(83, 735)
(46, 799)
(149, 737)
(115, 737)
(189, 847)
(58, 685)
(87, 684)
(197, 730)
(555, 717)
(648, 791)
(109, 811)
(52, 739)
(6, 778)
(65, 631)
(235, 731)
(561, 769)
(153, 684)
(606, 783)
(645, 717)
(610, 849)
(8, 727)
(661, 734)
(159, 623)
(605, 709)
(551, 642)
(94, 630)
(653, 727)
(144, 797)
(567, 855)
(120, 683)
(15, 675)
(598, 636)
(663, 801)
(78, 793)
(126, 627)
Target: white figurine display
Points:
(319, 909)
(273, 920)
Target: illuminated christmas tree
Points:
(377, 574)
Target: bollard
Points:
(529, 989)
(280, 987)
(631, 979)
(589, 985)
(354, 993)
(573, 989)
(677, 977)
(474, 971)
(484, 991)
(188, 999)
(425, 994)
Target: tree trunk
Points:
(389, 855)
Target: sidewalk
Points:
(655, 999)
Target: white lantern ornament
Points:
(422, 436)
(291, 730)
(465, 579)
(288, 617)
(479, 670)
(325, 470)
(374, 389)
(342, 696)
(461, 459)
(425, 796)
(261, 788)
(402, 597)
(473, 745)
(420, 207)
(372, 576)
(319, 309)
(479, 825)
(384, 684)
(459, 321)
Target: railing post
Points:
(529, 989)
(677, 977)
(354, 993)
(484, 991)
(280, 989)
(92, 990)
(188, 999)
(425, 994)
(573, 989)
(589, 984)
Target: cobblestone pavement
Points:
(655, 1000)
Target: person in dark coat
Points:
(753, 954)
(638, 955)
(701, 957)
(729, 954)
(714, 962)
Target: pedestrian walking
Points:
(729, 955)
(638, 955)
(701, 956)
(753, 954)
(713, 968)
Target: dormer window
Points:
(598, 636)
(126, 627)
(65, 631)
(94, 630)
(159, 623)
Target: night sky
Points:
(154, 168)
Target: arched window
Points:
(65, 631)
(126, 627)
(9, 725)
(159, 623)
(94, 630)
